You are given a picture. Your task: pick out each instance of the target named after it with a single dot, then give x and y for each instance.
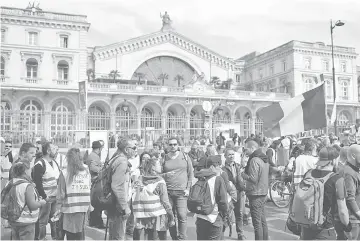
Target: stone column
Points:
(112, 122)
(163, 124)
(46, 118)
(139, 124)
(253, 129)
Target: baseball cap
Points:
(206, 162)
(326, 155)
(96, 144)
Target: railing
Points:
(106, 87)
(32, 80)
(3, 79)
(61, 81)
(41, 14)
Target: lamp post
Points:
(337, 24)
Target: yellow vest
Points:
(27, 216)
(5, 168)
(146, 204)
(77, 198)
(50, 178)
(213, 215)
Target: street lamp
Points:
(337, 24)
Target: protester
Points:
(343, 159)
(120, 185)
(60, 159)
(6, 161)
(73, 197)
(351, 173)
(95, 166)
(233, 171)
(256, 175)
(210, 150)
(26, 155)
(157, 217)
(195, 154)
(210, 227)
(221, 151)
(230, 145)
(45, 175)
(178, 186)
(24, 227)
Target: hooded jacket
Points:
(256, 174)
(220, 194)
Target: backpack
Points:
(307, 207)
(10, 208)
(200, 197)
(101, 195)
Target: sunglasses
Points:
(172, 144)
(134, 148)
(8, 146)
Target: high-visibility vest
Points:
(50, 178)
(213, 215)
(77, 198)
(27, 216)
(147, 204)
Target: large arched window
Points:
(309, 84)
(98, 119)
(62, 118)
(344, 86)
(2, 68)
(147, 118)
(31, 116)
(32, 68)
(63, 70)
(343, 119)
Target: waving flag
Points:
(301, 113)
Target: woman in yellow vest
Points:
(24, 227)
(151, 206)
(73, 199)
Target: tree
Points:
(229, 82)
(249, 86)
(162, 77)
(139, 75)
(179, 78)
(214, 81)
(90, 74)
(114, 74)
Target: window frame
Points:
(32, 69)
(3, 66)
(62, 71)
(36, 40)
(4, 31)
(61, 37)
(343, 66)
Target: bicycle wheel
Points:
(280, 194)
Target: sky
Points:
(232, 28)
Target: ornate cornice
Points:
(325, 53)
(69, 57)
(6, 53)
(160, 37)
(24, 54)
(44, 23)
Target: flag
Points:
(82, 95)
(333, 114)
(301, 113)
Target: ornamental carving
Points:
(25, 55)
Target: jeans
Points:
(179, 206)
(75, 236)
(239, 210)
(46, 212)
(23, 232)
(257, 211)
(130, 223)
(355, 232)
(117, 226)
(207, 231)
(322, 234)
(339, 229)
(95, 218)
(150, 234)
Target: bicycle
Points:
(281, 191)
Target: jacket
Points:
(238, 181)
(95, 164)
(120, 182)
(195, 156)
(256, 174)
(220, 198)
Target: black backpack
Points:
(199, 200)
(102, 197)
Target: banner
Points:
(82, 95)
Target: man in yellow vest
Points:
(45, 175)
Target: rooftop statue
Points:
(166, 22)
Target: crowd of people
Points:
(151, 193)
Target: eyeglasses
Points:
(134, 148)
(172, 144)
(8, 146)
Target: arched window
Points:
(2, 68)
(31, 116)
(63, 70)
(32, 68)
(343, 119)
(98, 118)
(309, 84)
(344, 90)
(62, 118)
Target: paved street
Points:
(276, 218)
